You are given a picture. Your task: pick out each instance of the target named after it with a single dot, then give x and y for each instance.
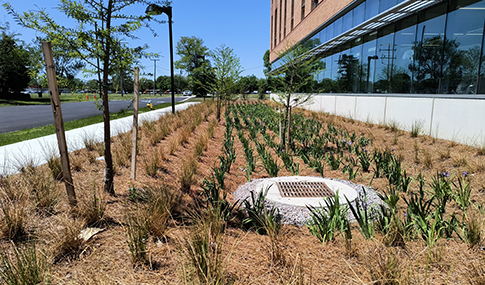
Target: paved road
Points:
(23, 117)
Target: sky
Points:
(243, 26)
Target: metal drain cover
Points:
(304, 189)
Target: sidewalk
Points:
(37, 150)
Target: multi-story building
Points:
(386, 46)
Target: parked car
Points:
(187, 93)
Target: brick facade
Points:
(313, 18)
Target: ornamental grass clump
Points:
(462, 192)
(14, 219)
(65, 236)
(55, 167)
(92, 204)
(365, 160)
(270, 165)
(326, 222)
(363, 213)
(151, 164)
(202, 251)
(122, 148)
(188, 169)
(260, 217)
(136, 228)
(26, 266)
(216, 197)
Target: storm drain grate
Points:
(304, 189)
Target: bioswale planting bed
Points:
(191, 216)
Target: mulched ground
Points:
(105, 259)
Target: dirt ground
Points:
(106, 259)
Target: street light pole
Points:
(172, 84)
(154, 9)
(154, 74)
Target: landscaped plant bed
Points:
(157, 226)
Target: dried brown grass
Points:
(92, 203)
(64, 236)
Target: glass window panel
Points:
(386, 4)
(371, 8)
(345, 65)
(463, 47)
(330, 31)
(335, 76)
(323, 36)
(404, 41)
(347, 21)
(428, 49)
(369, 58)
(384, 64)
(358, 14)
(327, 84)
(357, 66)
(312, 42)
(337, 26)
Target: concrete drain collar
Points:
(274, 193)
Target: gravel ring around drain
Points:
(299, 215)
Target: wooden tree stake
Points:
(59, 124)
(135, 124)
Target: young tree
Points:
(227, 70)
(96, 38)
(291, 78)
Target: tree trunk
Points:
(288, 130)
(282, 135)
(218, 114)
(108, 171)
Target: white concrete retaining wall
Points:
(451, 117)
